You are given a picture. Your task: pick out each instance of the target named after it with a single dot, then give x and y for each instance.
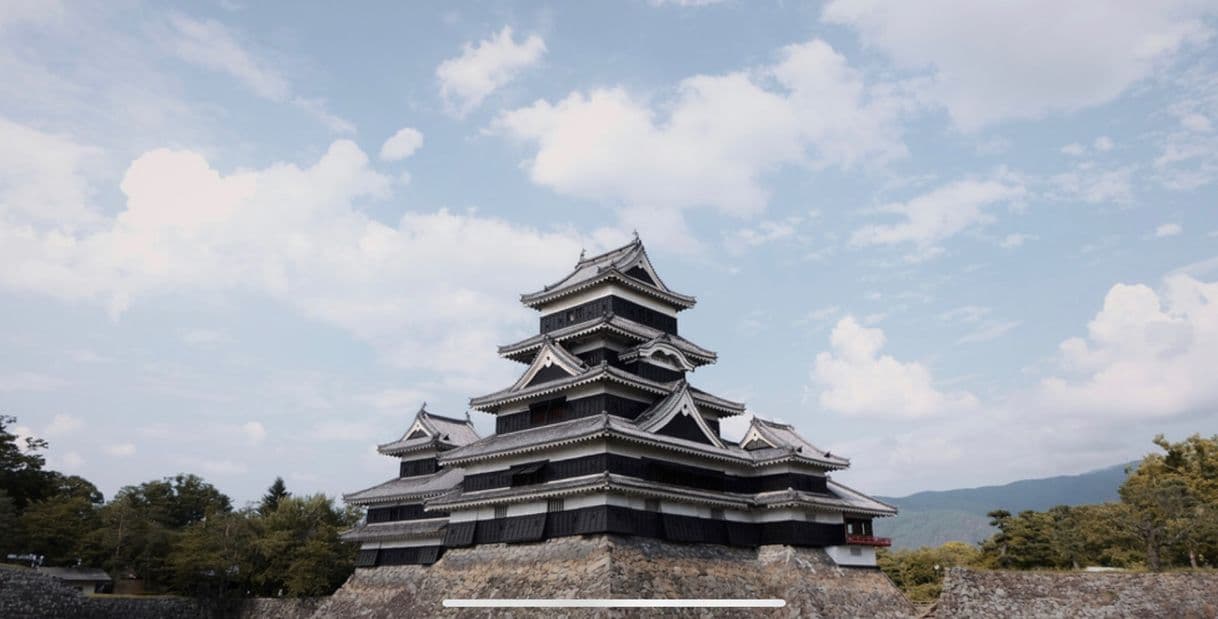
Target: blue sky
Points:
(960, 245)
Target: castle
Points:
(603, 433)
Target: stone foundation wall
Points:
(969, 593)
(28, 594)
(607, 566)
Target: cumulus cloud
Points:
(402, 144)
(935, 216)
(485, 67)
(854, 379)
(1146, 354)
(1016, 239)
(297, 235)
(991, 62)
(709, 143)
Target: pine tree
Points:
(276, 493)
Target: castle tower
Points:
(604, 433)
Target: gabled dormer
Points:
(678, 416)
(552, 362)
(429, 434)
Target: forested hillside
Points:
(935, 517)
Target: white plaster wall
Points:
(853, 556)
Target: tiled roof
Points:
(615, 323)
(391, 531)
(592, 483)
(546, 437)
(840, 497)
(784, 435)
(441, 430)
(610, 265)
(492, 401)
(402, 488)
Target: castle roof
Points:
(605, 426)
(523, 350)
(627, 265)
(394, 531)
(431, 431)
(406, 488)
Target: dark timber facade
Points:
(603, 433)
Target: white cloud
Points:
(211, 45)
(711, 141)
(42, 176)
(1074, 149)
(1146, 354)
(1016, 239)
(940, 214)
(1095, 185)
(990, 331)
(205, 338)
(63, 424)
(486, 67)
(856, 380)
(1168, 229)
(685, 3)
(71, 461)
(405, 401)
(121, 450)
(402, 144)
(363, 431)
(1103, 144)
(993, 61)
(763, 233)
(297, 235)
(29, 381)
(254, 432)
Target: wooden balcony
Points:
(868, 540)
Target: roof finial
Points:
(467, 415)
(636, 235)
(582, 252)
(423, 408)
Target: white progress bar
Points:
(614, 603)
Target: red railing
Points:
(868, 540)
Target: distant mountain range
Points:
(935, 517)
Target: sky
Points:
(960, 244)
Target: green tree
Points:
(299, 551)
(919, 572)
(21, 474)
(276, 493)
(10, 525)
(213, 556)
(140, 526)
(58, 525)
(1172, 500)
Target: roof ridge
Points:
(447, 418)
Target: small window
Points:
(500, 511)
(570, 316)
(716, 514)
(651, 505)
(810, 517)
(554, 505)
(856, 552)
